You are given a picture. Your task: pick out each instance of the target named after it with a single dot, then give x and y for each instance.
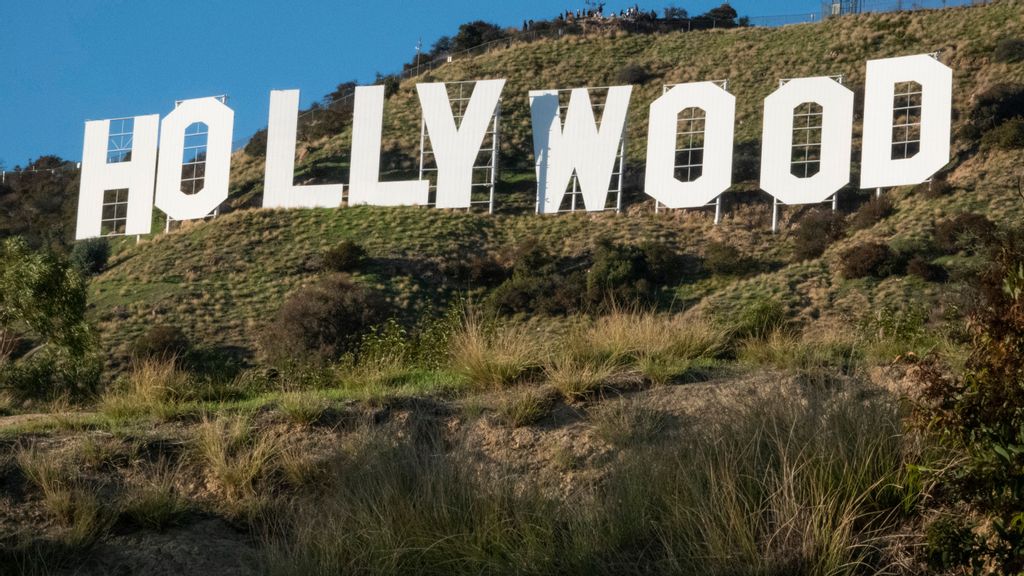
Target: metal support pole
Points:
(495, 144)
(835, 201)
(878, 192)
(423, 141)
(775, 215)
(572, 205)
(718, 210)
(622, 168)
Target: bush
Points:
(257, 145)
(162, 342)
(1009, 50)
(872, 212)
(937, 187)
(618, 274)
(926, 270)
(322, 321)
(868, 259)
(347, 256)
(90, 257)
(724, 259)
(477, 270)
(816, 232)
(759, 319)
(996, 105)
(632, 74)
(540, 283)
(1007, 136)
(977, 415)
(962, 231)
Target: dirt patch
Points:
(207, 547)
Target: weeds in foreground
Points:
(73, 503)
(780, 482)
(155, 502)
(518, 408)
(576, 378)
(627, 422)
(236, 455)
(492, 355)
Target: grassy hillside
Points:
(221, 280)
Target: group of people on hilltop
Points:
(570, 16)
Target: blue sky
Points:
(63, 62)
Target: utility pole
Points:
(419, 49)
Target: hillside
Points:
(221, 280)
(417, 391)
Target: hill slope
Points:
(221, 280)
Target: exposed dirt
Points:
(563, 453)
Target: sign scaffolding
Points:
(485, 168)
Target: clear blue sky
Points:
(66, 61)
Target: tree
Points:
(39, 204)
(45, 340)
(676, 13)
(724, 15)
(475, 34)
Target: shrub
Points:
(962, 231)
(758, 319)
(724, 259)
(926, 270)
(1009, 50)
(872, 212)
(977, 415)
(322, 321)
(618, 274)
(1009, 135)
(868, 259)
(257, 145)
(90, 257)
(816, 232)
(161, 342)
(632, 74)
(665, 266)
(540, 283)
(577, 378)
(346, 256)
(937, 187)
(477, 270)
(997, 104)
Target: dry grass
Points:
(303, 408)
(493, 355)
(524, 407)
(628, 422)
(73, 503)
(238, 458)
(155, 502)
(576, 378)
(153, 388)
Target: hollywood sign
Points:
(122, 180)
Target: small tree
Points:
(42, 322)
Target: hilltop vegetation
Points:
(410, 390)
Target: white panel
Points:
(579, 146)
(836, 141)
(220, 121)
(716, 177)
(456, 148)
(878, 169)
(279, 189)
(136, 175)
(365, 186)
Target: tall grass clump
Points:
(237, 457)
(74, 504)
(797, 482)
(660, 346)
(492, 354)
(154, 387)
